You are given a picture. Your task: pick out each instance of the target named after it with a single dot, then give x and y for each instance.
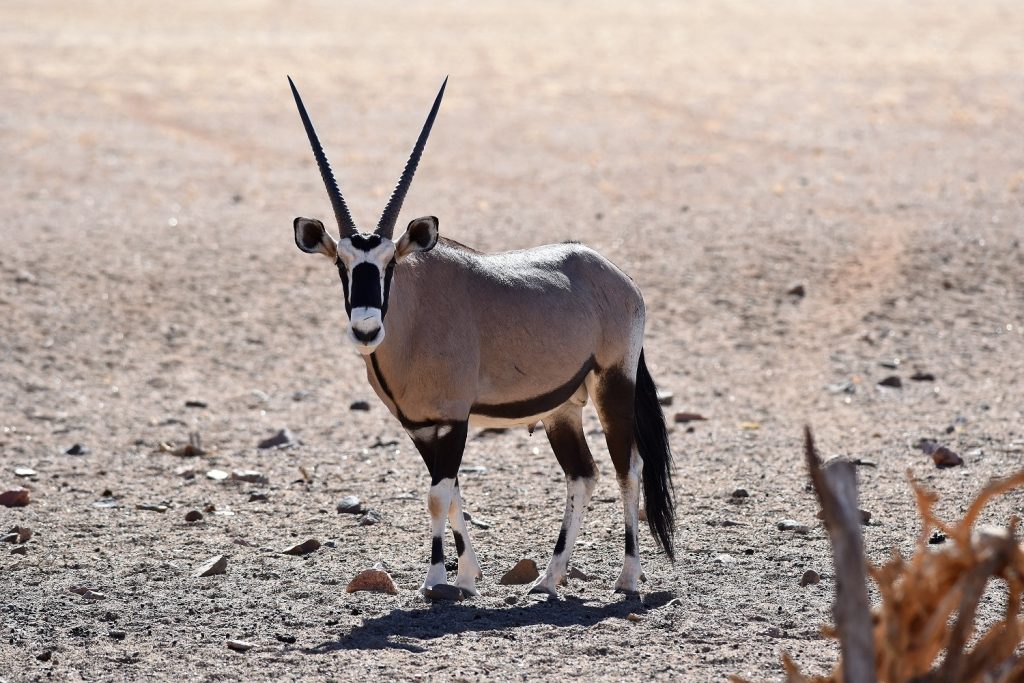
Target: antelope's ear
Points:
(311, 238)
(421, 235)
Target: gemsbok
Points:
(506, 339)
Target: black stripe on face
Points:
(366, 286)
(389, 271)
(344, 285)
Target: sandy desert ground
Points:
(722, 153)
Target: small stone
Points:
(810, 578)
(24, 472)
(926, 445)
(249, 476)
(634, 617)
(19, 550)
(373, 581)
(444, 592)
(922, 377)
(107, 503)
(944, 457)
(94, 596)
(576, 574)
(218, 564)
(665, 397)
(118, 635)
(892, 382)
(195, 404)
(683, 417)
(511, 599)
(305, 548)
(77, 449)
(369, 518)
(15, 498)
(749, 426)
(350, 505)
(793, 525)
(193, 516)
(240, 645)
(725, 558)
(524, 572)
(45, 656)
(217, 475)
(359, 405)
(740, 493)
(9, 538)
(798, 290)
(865, 517)
(286, 638)
(283, 439)
(844, 387)
(152, 507)
(259, 497)
(23, 533)
(937, 538)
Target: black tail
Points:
(651, 438)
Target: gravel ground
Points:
(721, 153)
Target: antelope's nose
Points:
(366, 336)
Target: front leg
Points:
(441, 445)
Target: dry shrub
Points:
(914, 622)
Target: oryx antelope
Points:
(503, 339)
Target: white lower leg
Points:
(578, 491)
(438, 501)
(469, 567)
(628, 581)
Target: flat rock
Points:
(19, 550)
(665, 397)
(892, 382)
(359, 405)
(152, 507)
(283, 439)
(350, 505)
(77, 449)
(14, 498)
(240, 645)
(24, 472)
(218, 564)
(217, 475)
(810, 578)
(373, 581)
(305, 548)
(250, 476)
(524, 572)
(683, 417)
(792, 525)
(922, 377)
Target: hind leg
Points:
(565, 433)
(613, 391)
(469, 566)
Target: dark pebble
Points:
(195, 404)
(740, 493)
(922, 377)
(797, 290)
(370, 518)
(193, 516)
(118, 635)
(892, 381)
(283, 439)
(77, 449)
(285, 638)
(937, 537)
(359, 405)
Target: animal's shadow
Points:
(397, 628)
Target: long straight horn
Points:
(345, 223)
(386, 225)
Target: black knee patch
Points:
(443, 454)
(631, 541)
(437, 551)
(560, 543)
(460, 544)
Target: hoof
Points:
(547, 592)
(443, 592)
(628, 592)
(468, 591)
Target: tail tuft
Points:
(651, 438)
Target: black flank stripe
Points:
(538, 404)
